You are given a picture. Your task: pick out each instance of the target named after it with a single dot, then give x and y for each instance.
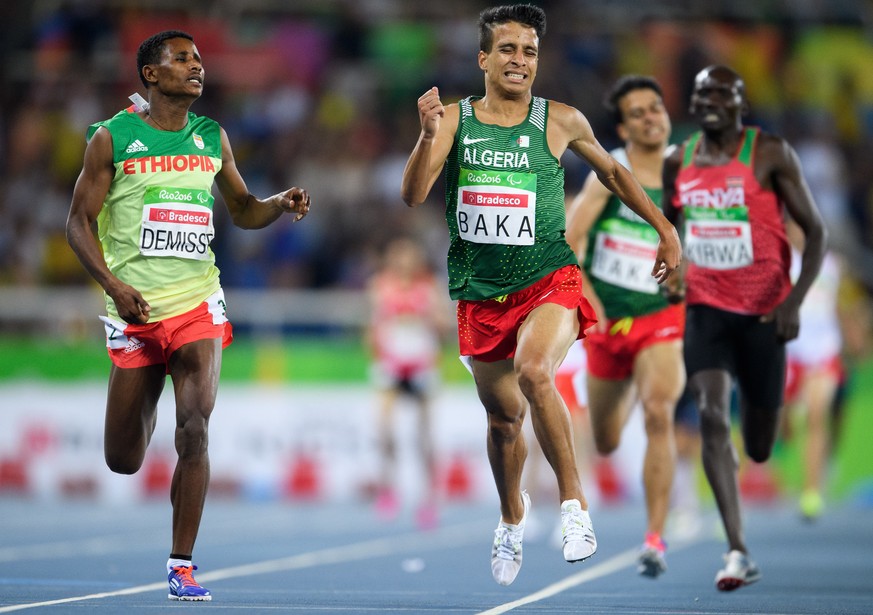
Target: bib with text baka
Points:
(718, 238)
(624, 254)
(497, 207)
(177, 222)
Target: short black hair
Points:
(622, 87)
(525, 14)
(150, 50)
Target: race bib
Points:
(177, 222)
(624, 255)
(718, 238)
(497, 207)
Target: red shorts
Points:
(132, 346)
(488, 330)
(796, 373)
(611, 355)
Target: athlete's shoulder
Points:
(773, 149)
(568, 119)
(673, 153)
(559, 110)
(195, 119)
(123, 117)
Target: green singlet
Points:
(621, 251)
(504, 206)
(157, 220)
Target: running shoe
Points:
(184, 587)
(651, 561)
(811, 505)
(427, 516)
(506, 551)
(387, 505)
(577, 532)
(739, 570)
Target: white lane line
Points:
(613, 564)
(449, 537)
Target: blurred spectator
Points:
(341, 98)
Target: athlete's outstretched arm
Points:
(577, 134)
(248, 211)
(90, 192)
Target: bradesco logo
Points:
(716, 232)
(494, 199)
(176, 216)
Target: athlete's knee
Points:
(123, 462)
(658, 418)
(758, 448)
(534, 377)
(759, 453)
(503, 428)
(606, 443)
(192, 436)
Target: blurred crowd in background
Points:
(322, 95)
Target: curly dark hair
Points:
(525, 14)
(626, 84)
(150, 50)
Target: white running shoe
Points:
(577, 532)
(739, 570)
(506, 551)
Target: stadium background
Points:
(322, 94)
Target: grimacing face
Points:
(511, 64)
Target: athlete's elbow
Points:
(412, 198)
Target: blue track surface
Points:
(276, 557)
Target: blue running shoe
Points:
(184, 587)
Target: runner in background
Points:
(729, 187)
(409, 318)
(815, 372)
(635, 349)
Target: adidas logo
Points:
(136, 146)
(133, 345)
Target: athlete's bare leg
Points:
(195, 370)
(660, 377)
(818, 393)
(609, 404)
(543, 342)
(387, 399)
(506, 407)
(712, 392)
(131, 415)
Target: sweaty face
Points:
(511, 64)
(717, 100)
(645, 122)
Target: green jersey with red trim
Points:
(504, 205)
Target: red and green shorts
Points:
(488, 329)
(611, 354)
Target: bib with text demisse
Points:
(718, 238)
(177, 222)
(497, 207)
(624, 254)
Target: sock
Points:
(177, 561)
(653, 539)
